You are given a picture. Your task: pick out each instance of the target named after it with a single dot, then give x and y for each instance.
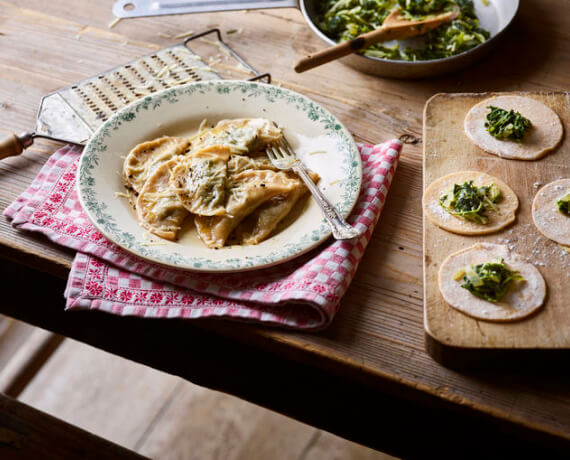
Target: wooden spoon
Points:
(394, 27)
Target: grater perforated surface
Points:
(74, 113)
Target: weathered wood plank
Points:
(327, 446)
(199, 423)
(205, 424)
(28, 433)
(191, 422)
(378, 332)
(12, 335)
(87, 388)
(302, 382)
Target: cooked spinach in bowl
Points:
(419, 7)
(343, 20)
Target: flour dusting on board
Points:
(448, 150)
(544, 251)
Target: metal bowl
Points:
(496, 17)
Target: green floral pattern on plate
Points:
(97, 210)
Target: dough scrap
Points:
(544, 135)
(547, 218)
(524, 298)
(440, 217)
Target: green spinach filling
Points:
(564, 205)
(421, 7)
(471, 202)
(506, 124)
(343, 20)
(489, 281)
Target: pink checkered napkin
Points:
(303, 293)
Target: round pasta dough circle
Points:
(440, 217)
(545, 133)
(517, 304)
(545, 214)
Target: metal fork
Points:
(283, 157)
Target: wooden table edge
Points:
(280, 340)
(320, 365)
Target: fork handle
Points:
(341, 229)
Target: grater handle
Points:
(13, 144)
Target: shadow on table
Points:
(376, 264)
(380, 413)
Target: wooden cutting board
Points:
(447, 149)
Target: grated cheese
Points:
(151, 196)
(122, 195)
(114, 22)
(203, 125)
(163, 71)
(217, 44)
(184, 34)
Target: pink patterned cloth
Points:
(303, 293)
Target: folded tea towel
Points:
(303, 293)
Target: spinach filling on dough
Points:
(343, 20)
(470, 202)
(489, 281)
(564, 205)
(506, 124)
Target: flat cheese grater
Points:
(72, 114)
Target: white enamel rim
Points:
(307, 125)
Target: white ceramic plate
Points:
(179, 111)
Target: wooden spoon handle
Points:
(12, 144)
(344, 49)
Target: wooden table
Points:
(367, 377)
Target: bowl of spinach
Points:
(448, 48)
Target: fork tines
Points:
(284, 144)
